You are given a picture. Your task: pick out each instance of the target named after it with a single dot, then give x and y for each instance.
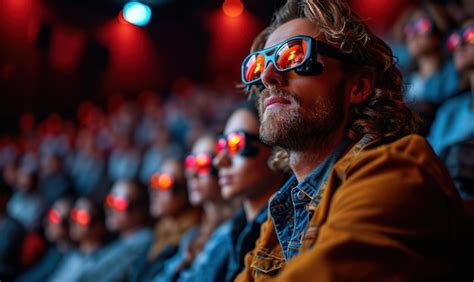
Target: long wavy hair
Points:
(384, 113)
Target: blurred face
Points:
(120, 207)
(168, 196)
(464, 54)
(9, 174)
(56, 227)
(24, 181)
(297, 109)
(202, 184)
(80, 220)
(243, 176)
(419, 37)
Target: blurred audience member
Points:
(87, 167)
(151, 107)
(27, 205)
(124, 160)
(433, 78)
(87, 229)
(452, 134)
(161, 149)
(53, 182)
(208, 240)
(11, 238)
(170, 205)
(244, 172)
(126, 214)
(57, 233)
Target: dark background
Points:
(56, 53)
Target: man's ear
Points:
(361, 87)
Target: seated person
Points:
(27, 205)
(170, 205)
(56, 227)
(209, 237)
(127, 214)
(245, 174)
(87, 229)
(433, 77)
(452, 134)
(369, 200)
(11, 239)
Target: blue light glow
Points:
(137, 13)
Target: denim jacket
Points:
(287, 207)
(208, 263)
(388, 212)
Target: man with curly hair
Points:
(369, 200)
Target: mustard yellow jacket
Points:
(389, 212)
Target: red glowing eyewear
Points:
(201, 163)
(55, 217)
(80, 216)
(162, 181)
(297, 53)
(117, 203)
(421, 26)
(461, 36)
(238, 143)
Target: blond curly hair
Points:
(384, 113)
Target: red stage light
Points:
(233, 8)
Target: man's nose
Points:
(272, 77)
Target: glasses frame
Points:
(172, 186)
(248, 150)
(410, 29)
(212, 169)
(315, 47)
(460, 33)
(113, 197)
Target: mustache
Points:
(277, 92)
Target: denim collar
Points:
(288, 208)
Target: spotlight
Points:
(137, 13)
(233, 8)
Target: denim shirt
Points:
(288, 208)
(208, 263)
(242, 240)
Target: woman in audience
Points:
(433, 77)
(127, 214)
(170, 205)
(251, 171)
(452, 134)
(203, 191)
(244, 174)
(87, 229)
(57, 232)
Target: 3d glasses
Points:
(80, 216)
(297, 53)
(461, 36)
(117, 203)
(54, 217)
(421, 26)
(201, 163)
(238, 143)
(162, 182)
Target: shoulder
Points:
(411, 154)
(393, 180)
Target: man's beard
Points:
(296, 128)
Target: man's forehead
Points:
(291, 28)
